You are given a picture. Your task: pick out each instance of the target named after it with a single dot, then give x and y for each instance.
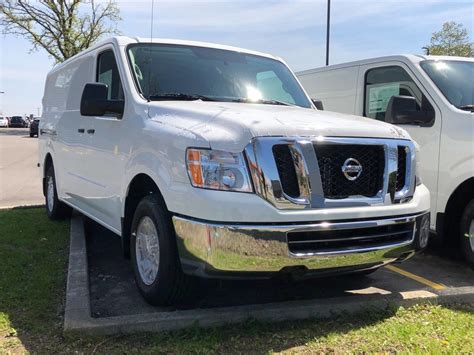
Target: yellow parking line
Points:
(420, 279)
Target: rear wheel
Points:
(31, 135)
(467, 233)
(154, 254)
(54, 208)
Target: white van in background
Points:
(433, 99)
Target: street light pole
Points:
(2, 92)
(328, 24)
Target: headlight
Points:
(217, 170)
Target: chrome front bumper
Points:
(237, 250)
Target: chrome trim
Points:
(267, 183)
(409, 188)
(50, 132)
(264, 248)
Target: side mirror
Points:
(318, 104)
(94, 101)
(403, 110)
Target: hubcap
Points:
(147, 250)
(50, 193)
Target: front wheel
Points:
(467, 233)
(154, 254)
(54, 208)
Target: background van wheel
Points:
(154, 254)
(31, 135)
(54, 208)
(467, 233)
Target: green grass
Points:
(33, 257)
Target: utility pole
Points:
(328, 24)
(38, 109)
(1, 92)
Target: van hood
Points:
(230, 126)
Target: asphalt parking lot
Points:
(20, 180)
(113, 291)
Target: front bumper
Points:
(212, 249)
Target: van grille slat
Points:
(402, 166)
(349, 238)
(286, 170)
(327, 241)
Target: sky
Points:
(292, 29)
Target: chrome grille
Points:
(306, 172)
(331, 158)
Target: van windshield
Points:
(181, 72)
(455, 79)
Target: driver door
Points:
(381, 81)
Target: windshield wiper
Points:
(179, 96)
(192, 97)
(265, 102)
(467, 107)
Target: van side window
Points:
(107, 73)
(383, 83)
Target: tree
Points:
(451, 40)
(61, 27)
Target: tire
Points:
(31, 135)
(466, 236)
(54, 208)
(152, 238)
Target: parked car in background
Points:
(3, 121)
(432, 97)
(212, 161)
(17, 122)
(34, 127)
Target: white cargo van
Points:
(433, 99)
(211, 160)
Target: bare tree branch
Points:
(62, 28)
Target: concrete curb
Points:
(78, 320)
(21, 207)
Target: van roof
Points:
(414, 58)
(122, 41)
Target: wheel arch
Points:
(141, 185)
(457, 201)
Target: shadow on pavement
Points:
(113, 289)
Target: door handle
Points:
(91, 131)
(81, 130)
(50, 132)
